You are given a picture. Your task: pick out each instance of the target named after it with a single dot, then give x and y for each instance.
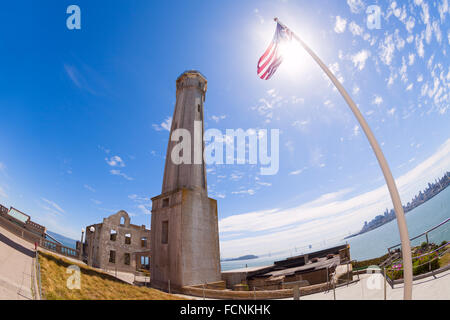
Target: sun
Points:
(295, 58)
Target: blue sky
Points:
(85, 112)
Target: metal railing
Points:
(431, 271)
(395, 256)
(422, 234)
(34, 238)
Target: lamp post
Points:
(91, 246)
(81, 244)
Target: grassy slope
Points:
(94, 285)
(444, 260)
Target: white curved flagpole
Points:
(398, 208)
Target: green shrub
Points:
(425, 264)
(394, 274)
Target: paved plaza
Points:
(371, 287)
(16, 260)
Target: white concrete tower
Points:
(191, 90)
(184, 229)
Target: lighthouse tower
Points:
(184, 226)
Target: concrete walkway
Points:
(16, 261)
(371, 287)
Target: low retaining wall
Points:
(251, 295)
(420, 276)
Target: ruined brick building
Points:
(116, 244)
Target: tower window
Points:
(165, 203)
(165, 232)
(198, 108)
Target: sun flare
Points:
(295, 59)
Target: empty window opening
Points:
(122, 220)
(113, 235)
(128, 238)
(198, 108)
(165, 232)
(126, 259)
(165, 203)
(144, 242)
(112, 256)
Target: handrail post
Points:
(334, 290)
(203, 291)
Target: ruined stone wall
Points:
(126, 243)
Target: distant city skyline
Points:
(432, 190)
(86, 112)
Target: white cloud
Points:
(218, 118)
(425, 15)
(443, 9)
(419, 44)
(391, 111)
(119, 173)
(340, 25)
(377, 100)
(359, 59)
(411, 58)
(297, 172)
(410, 24)
(115, 161)
(89, 188)
(249, 192)
(387, 50)
(165, 125)
(258, 15)
(3, 193)
(53, 205)
(143, 209)
(356, 6)
(355, 29)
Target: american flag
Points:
(272, 58)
